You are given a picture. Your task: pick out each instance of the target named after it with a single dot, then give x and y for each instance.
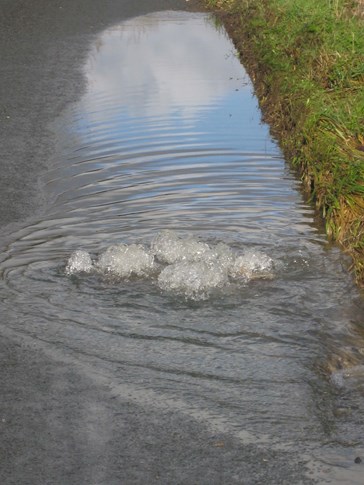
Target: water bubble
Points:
(220, 254)
(252, 264)
(169, 248)
(193, 280)
(79, 262)
(184, 266)
(124, 260)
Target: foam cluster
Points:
(184, 266)
(125, 261)
(79, 262)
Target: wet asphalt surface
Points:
(59, 422)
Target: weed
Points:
(307, 60)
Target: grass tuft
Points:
(306, 58)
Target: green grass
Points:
(307, 59)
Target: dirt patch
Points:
(359, 9)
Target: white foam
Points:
(352, 377)
(79, 262)
(169, 248)
(193, 280)
(124, 260)
(185, 266)
(252, 264)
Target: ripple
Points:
(176, 253)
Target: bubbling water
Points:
(193, 280)
(79, 262)
(252, 264)
(169, 248)
(124, 261)
(183, 266)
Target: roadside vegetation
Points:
(306, 58)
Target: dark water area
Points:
(202, 282)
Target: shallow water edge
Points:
(178, 270)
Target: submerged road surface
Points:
(58, 423)
(180, 360)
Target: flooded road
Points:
(178, 273)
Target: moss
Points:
(306, 58)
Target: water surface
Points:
(168, 143)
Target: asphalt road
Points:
(59, 422)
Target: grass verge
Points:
(306, 59)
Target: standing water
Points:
(177, 257)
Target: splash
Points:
(352, 377)
(183, 266)
(345, 367)
(169, 248)
(193, 280)
(125, 261)
(252, 264)
(79, 262)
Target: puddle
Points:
(176, 246)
